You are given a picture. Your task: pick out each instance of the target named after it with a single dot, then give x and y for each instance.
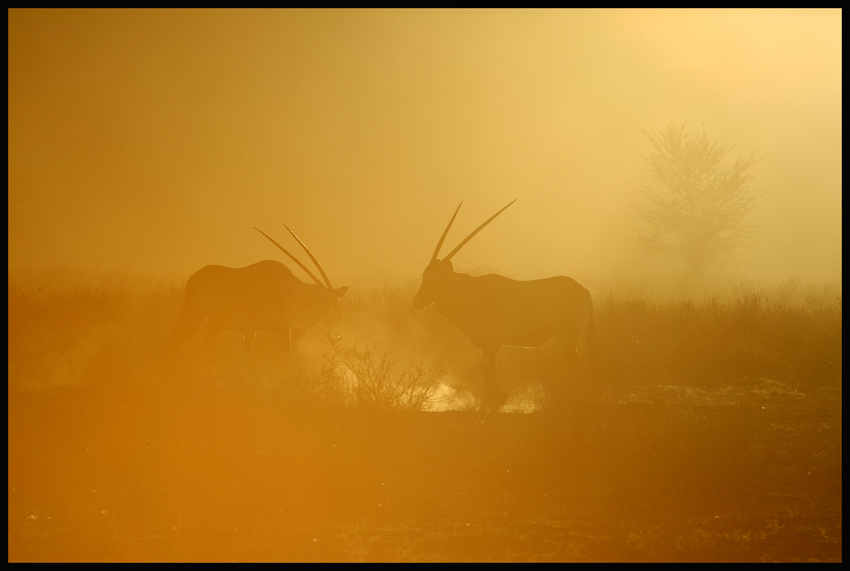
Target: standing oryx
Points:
(265, 296)
(493, 310)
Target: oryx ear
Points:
(447, 264)
(340, 291)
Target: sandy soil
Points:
(662, 473)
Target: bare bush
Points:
(371, 380)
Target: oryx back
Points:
(242, 299)
(495, 310)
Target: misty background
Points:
(153, 141)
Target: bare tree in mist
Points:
(697, 216)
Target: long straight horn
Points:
(321, 271)
(445, 233)
(294, 259)
(474, 232)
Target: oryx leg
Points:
(487, 368)
(216, 327)
(288, 339)
(188, 323)
(248, 341)
(568, 340)
(213, 334)
(295, 335)
(576, 375)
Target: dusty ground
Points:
(660, 473)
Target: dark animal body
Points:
(264, 296)
(493, 310)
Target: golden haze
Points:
(155, 140)
(147, 144)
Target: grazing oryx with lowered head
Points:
(493, 310)
(265, 296)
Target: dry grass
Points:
(117, 328)
(713, 434)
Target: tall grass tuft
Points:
(749, 336)
(115, 330)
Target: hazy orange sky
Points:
(155, 140)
